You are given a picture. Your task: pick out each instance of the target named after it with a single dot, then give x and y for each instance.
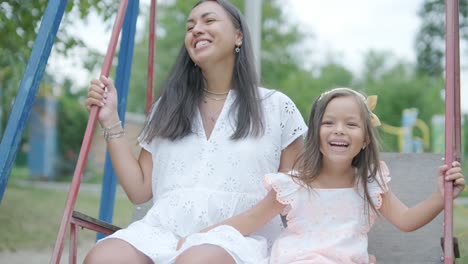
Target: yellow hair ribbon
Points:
(371, 103)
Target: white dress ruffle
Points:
(324, 226)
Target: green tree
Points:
(399, 86)
(19, 22)
(281, 59)
(71, 123)
(430, 40)
(304, 86)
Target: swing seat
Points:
(413, 179)
(92, 223)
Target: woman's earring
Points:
(237, 49)
(363, 147)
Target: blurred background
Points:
(393, 49)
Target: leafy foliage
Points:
(399, 86)
(281, 60)
(430, 41)
(71, 123)
(19, 22)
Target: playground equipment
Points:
(407, 143)
(128, 10)
(29, 86)
(452, 118)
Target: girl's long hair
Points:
(366, 162)
(172, 116)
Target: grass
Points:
(464, 193)
(460, 231)
(91, 175)
(30, 217)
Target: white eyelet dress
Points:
(198, 182)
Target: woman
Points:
(209, 139)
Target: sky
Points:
(353, 27)
(344, 28)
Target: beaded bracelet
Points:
(108, 135)
(119, 134)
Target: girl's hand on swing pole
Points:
(454, 175)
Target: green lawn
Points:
(30, 217)
(461, 231)
(464, 193)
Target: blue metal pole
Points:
(109, 182)
(28, 88)
(1, 113)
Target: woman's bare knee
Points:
(205, 254)
(115, 251)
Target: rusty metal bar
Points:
(151, 52)
(452, 122)
(84, 151)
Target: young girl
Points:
(338, 190)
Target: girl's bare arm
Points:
(253, 219)
(410, 219)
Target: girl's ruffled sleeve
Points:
(285, 187)
(377, 188)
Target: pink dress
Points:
(324, 225)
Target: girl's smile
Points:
(342, 129)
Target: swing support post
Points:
(452, 118)
(151, 55)
(86, 144)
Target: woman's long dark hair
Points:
(172, 116)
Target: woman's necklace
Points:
(213, 98)
(213, 117)
(210, 92)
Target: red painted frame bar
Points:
(73, 243)
(151, 47)
(452, 118)
(457, 98)
(84, 151)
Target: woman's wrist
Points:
(114, 129)
(110, 122)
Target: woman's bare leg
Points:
(116, 251)
(205, 254)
